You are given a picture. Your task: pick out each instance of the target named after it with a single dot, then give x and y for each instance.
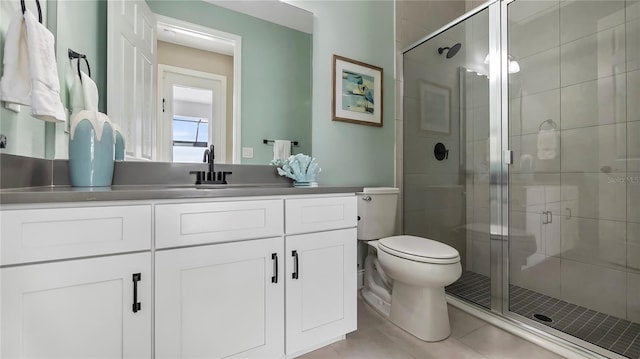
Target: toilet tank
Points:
(377, 208)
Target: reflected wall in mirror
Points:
(274, 97)
(275, 87)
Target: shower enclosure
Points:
(522, 151)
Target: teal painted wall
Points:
(351, 154)
(81, 26)
(275, 66)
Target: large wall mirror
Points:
(254, 84)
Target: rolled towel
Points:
(547, 144)
(45, 88)
(15, 85)
(281, 149)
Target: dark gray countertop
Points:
(50, 194)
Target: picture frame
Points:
(435, 107)
(356, 92)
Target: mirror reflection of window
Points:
(192, 110)
(190, 138)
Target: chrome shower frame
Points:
(500, 157)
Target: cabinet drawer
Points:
(197, 223)
(32, 235)
(319, 214)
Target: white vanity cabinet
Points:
(218, 300)
(221, 301)
(321, 288)
(56, 302)
(321, 283)
(245, 277)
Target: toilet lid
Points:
(419, 249)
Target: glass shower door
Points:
(446, 149)
(574, 129)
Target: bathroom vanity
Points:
(208, 273)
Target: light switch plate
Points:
(247, 152)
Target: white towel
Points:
(45, 88)
(90, 93)
(547, 144)
(281, 149)
(83, 94)
(15, 85)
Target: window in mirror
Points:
(190, 138)
(192, 109)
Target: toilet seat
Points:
(419, 249)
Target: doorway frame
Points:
(219, 110)
(237, 73)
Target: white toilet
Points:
(415, 270)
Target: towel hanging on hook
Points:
(24, 9)
(75, 55)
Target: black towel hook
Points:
(75, 55)
(24, 9)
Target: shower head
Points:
(453, 50)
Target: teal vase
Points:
(91, 153)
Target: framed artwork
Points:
(357, 92)
(435, 105)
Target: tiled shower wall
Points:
(415, 19)
(575, 215)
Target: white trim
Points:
(219, 120)
(237, 73)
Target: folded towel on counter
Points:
(281, 149)
(547, 144)
(45, 87)
(15, 85)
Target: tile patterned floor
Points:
(612, 333)
(377, 338)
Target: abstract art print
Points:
(357, 92)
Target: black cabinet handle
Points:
(136, 304)
(274, 278)
(294, 254)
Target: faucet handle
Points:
(222, 176)
(200, 176)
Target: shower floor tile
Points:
(615, 334)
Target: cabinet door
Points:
(321, 287)
(221, 300)
(77, 309)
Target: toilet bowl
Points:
(420, 269)
(414, 270)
